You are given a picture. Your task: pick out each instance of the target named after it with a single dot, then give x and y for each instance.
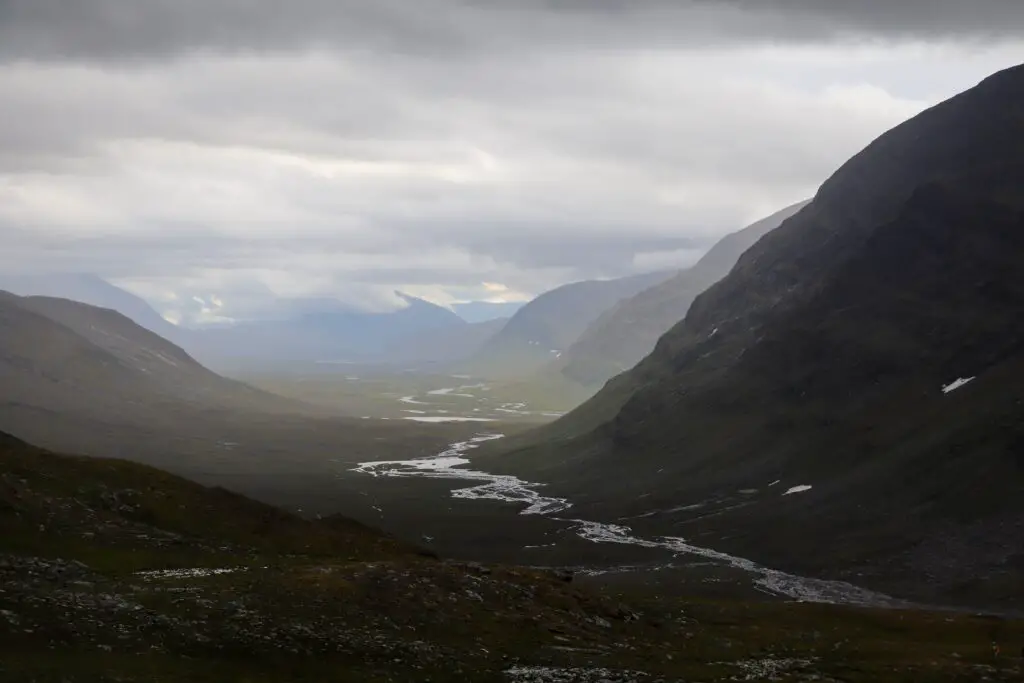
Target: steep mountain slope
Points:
(628, 331)
(163, 364)
(820, 362)
(552, 322)
(67, 358)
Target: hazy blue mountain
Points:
(552, 322)
(89, 289)
(324, 330)
(483, 311)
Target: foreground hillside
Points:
(812, 411)
(628, 331)
(113, 571)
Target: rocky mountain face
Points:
(551, 323)
(628, 331)
(847, 401)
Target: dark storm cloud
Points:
(116, 29)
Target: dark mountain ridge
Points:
(820, 361)
(628, 331)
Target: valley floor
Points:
(111, 571)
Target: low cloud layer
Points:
(247, 151)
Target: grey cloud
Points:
(116, 29)
(359, 146)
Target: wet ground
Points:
(627, 557)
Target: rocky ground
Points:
(115, 572)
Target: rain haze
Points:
(219, 157)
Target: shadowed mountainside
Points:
(821, 361)
(628, 331)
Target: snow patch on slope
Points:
(798, 489)
(956, 384)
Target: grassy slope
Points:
(333, 601)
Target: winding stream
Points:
(505, 488)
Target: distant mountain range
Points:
(847, 401)
(542, 329)
(625, 333)
(486, 311)
(328, 332)
(325, 330)
(89, 289)
(317, 330)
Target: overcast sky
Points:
(242, 150)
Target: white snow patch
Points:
(415, 412)
(798, 489)
(165, 359)
(774, 483)
(956, 384)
